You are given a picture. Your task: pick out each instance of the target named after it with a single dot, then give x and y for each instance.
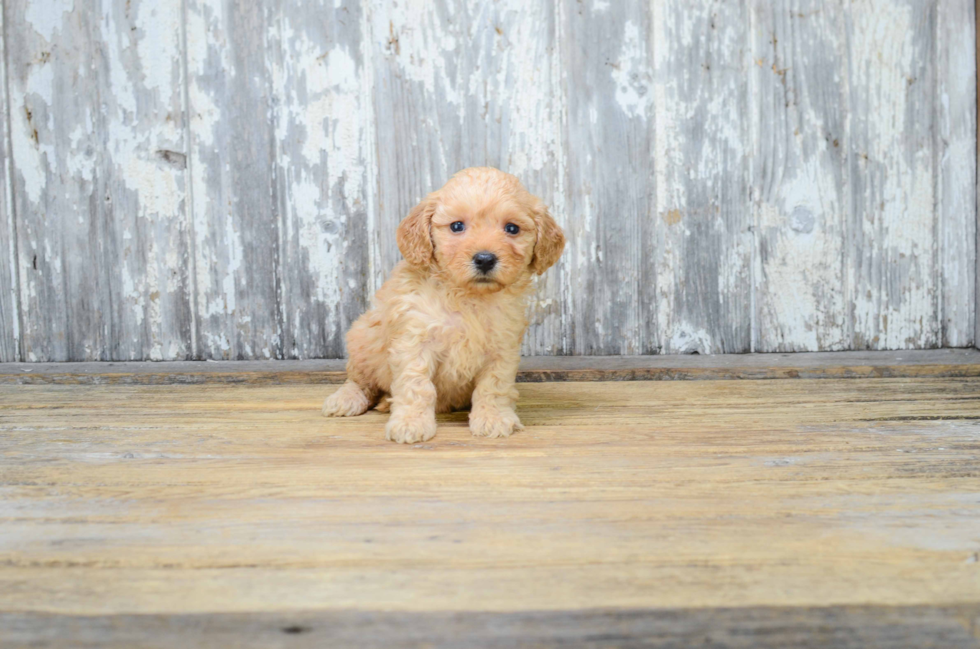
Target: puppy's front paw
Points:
(348, 401)
(411, 429)
(494, 422)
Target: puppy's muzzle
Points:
(485, 262)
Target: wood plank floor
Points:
(651, 510)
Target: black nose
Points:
(485, 261)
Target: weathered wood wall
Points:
(218, 179)
(976, 303)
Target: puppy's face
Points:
(482, 242)
(483, 230)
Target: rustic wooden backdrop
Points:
(217, 179)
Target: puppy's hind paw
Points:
(348, 401)
(411, 429)
(487, 422)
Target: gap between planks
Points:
(938, 363)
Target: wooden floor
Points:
(835, 512)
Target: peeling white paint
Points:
(632, 74)
(801, 204)
(957, 82)
(46, 17)
(324, 98)
(687, 339)
(32, 154)
(895, 292)
(11, 287)
(225, 302)
(159, 25)
(218, 244)
(134, 154)
(523, 74)
(700, 154)
(375, 264)
(410, 33)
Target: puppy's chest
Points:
(466, 339)
(454, 330)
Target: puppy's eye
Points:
(511, 228)
(457, 226)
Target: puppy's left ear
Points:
(414, 234)
(551, 240)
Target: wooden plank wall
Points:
(9, 308)
(211, 179)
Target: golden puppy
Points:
(445, 330)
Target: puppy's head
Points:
(483, 230)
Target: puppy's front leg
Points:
(413, 397)
(494, 396)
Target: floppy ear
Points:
(551, 240)
(414, 234)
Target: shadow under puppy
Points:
(444, 332)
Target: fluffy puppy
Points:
(444, 332)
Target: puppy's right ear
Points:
(415, 233)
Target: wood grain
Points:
(799, 96)
(606, 46)
(97, 132)
(232, 157)
(892, 260)
(703, 220)
(9, 293)
(837, 627)
(326, 179)
(957, 169)
(643, 495)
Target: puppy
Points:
(444, 332)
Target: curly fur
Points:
(439, 335)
